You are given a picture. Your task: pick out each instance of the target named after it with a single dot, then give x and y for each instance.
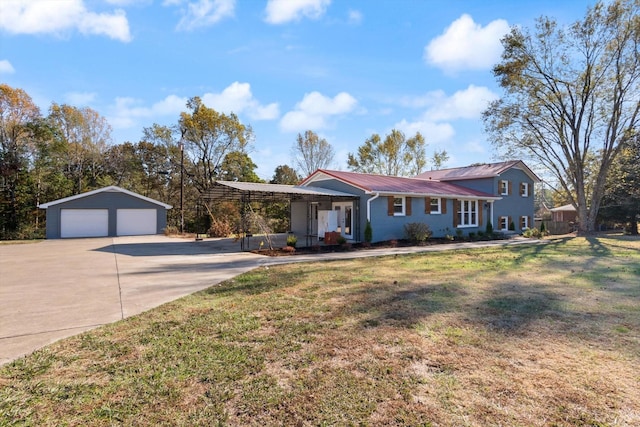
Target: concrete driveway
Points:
(58, 288)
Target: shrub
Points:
(512, 226)
(170, 230)
(292, 240)
(289, 249)
(220, 227)
(489, 230)
(368, 232)
(459, 234)
(542, 228)
(532, 233)
(341, 240)
(417, 232)
(472, 235)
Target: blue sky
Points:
(344, 69)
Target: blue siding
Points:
(514, 205)
(105, 200)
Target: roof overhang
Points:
(254, 192)
(110, 189)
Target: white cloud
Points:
(237, 98)
(6, 67)
(45, 17)
(467, 45)
(315, 109)
(126, 111)
(283, 11)
(355, 17)
(80, 99)
(464, 104)
(434, 133)
(202, 13)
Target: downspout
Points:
(369, 206)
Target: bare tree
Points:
(311, 152)
(572, 98)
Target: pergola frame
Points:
(249, 192)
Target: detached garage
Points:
(106, 212)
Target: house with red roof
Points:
(447, 200)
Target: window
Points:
(504, 223)
(504, 187)
(468, 213)
(524, 189)
(524, 222)
(398, 206)
(435, 205)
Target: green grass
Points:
(544, 335)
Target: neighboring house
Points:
(108, 211)
(447, 200)
(566, 213)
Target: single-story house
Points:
(447, 200)
(105, 212)
(566, 213)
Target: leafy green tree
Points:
(621, 201)
(395, 155)
(570, 94)
(285, 174)
(87, 136)
(208, 137)
(310, 152)
(17, 113)
(238, 166)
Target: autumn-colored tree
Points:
(17, 113)
(208, 137)
(395, 155)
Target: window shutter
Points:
(509, 188)
(427, 205)
(455, 213)
(480, 209)
(407, 207)
(509, 221)
(390, 205)
(522, 189)
(443, 206)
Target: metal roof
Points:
(253, 191)
(487, 170)
(372, 183)
(110, 189)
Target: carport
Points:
(304, 204)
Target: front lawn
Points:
(541, 335)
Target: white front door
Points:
(345, 218)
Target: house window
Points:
(504, 223)
(435, 205)
(524, 222)
(524, 189)
(504, 187)
(398, 206)
(468, 213)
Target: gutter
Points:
(369, 206)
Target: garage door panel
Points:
(84, 223)
(137, 222)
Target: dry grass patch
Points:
(544, 335)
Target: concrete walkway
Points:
(58, 288)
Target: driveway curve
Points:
(58, 288)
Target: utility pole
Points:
(181, 185)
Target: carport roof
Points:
(111, 188)
(253, 191)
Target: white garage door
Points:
(84, 223)
(136, 222)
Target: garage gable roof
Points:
(111, 188)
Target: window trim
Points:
(524, 189)
(524, 222)
(465, 215)
(506, 223)
(439, 210)
(504, 187)
(402, 205)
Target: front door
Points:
(345, 218)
